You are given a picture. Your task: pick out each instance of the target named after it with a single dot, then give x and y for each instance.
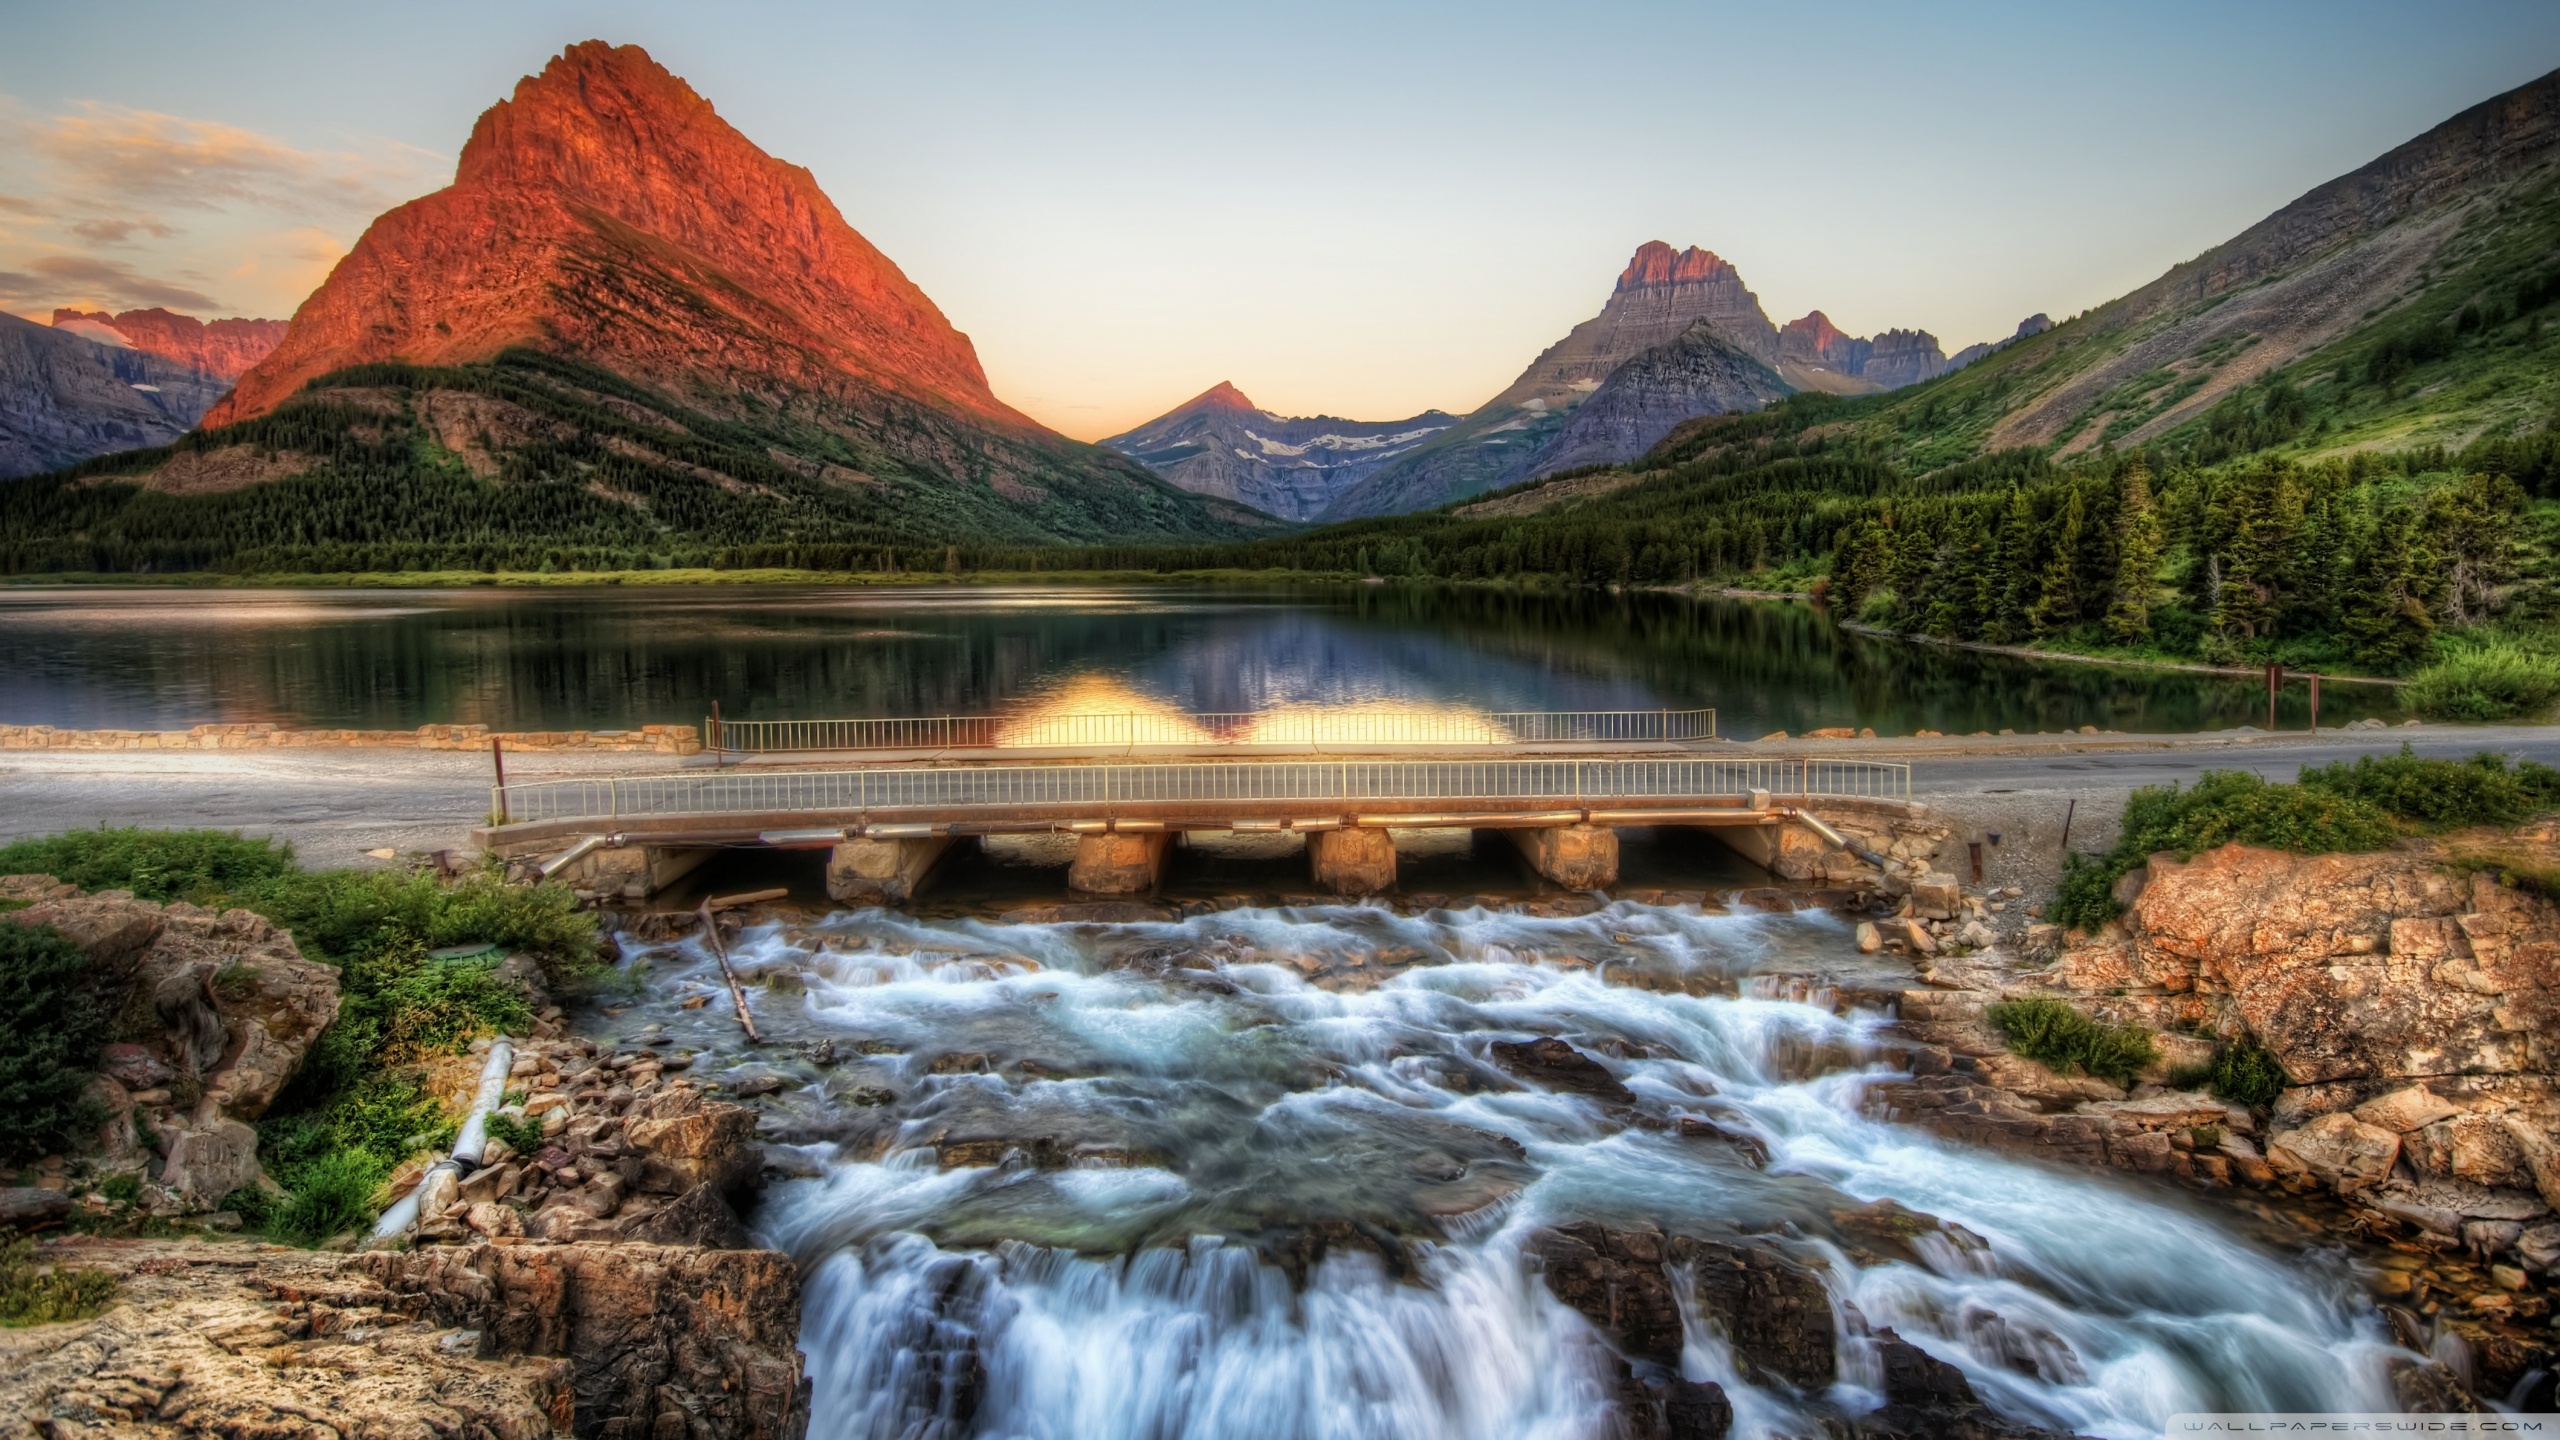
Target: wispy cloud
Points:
(58, 279)
(109, 204)
(145, 158)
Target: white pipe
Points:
(468, 1147)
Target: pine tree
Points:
(2396, 576)
(2008, 574)
(2057, 603)
(2137, 558)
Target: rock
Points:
(494, 1220)
(2540, 1247)
(32, 1205)
(1914, 935)
(698, 1217)
(2337, 1150)
(208, 1161)
(659, 1339)
(2541, 1156)
(1615, 1278)
(438, 1191)
(1554, 1065)
(1936, 896)
(689, 1141)
(2507, 1277)
(134, 1067)
(2406, 1109)
(1870, 940)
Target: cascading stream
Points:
(1258, 1174)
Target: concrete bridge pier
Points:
(1577, 857)
(1352, 862)
(883, 871)
(1116, 863)
(634, 872)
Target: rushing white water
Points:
(1241, 1203)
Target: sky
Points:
(1365, 210)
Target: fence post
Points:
(498, 758)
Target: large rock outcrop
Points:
(1699, 373)
(516, 1342)
(217, 1010)
(222, 349)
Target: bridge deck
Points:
(807, 806)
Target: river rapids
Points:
(1258, 1173)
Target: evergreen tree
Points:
(2396, 576)
(2137, 558)
(2008, 580)
(2057, 603)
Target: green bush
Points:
(2246, 1073)
(2500, 680)
(2062, 1038)
(2442, 794)
(160, 865)
(51, 1026)
(31, 1294)
(522, 1136)
(2224, 807)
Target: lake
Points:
(612, 657)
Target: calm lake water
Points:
(613, 658)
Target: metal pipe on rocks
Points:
(468, 1146)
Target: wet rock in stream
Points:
(1554, 1065)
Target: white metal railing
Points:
(1021, 788)
(1285, 727)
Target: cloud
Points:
(148, 159)
(116, 229)
(64, 279)
(19, 205)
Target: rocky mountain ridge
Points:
(223, 349)
(65, 398)
(1660, 294)
(1220, 443)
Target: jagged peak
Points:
(1221, 396)
(1656, 263)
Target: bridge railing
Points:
(1028, 788)
(1287, 727)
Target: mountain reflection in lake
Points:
(612, 657)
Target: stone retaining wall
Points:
(648, 739)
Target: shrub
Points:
(51, 1026)
(2225, 807)
(32, 1294)
(2062, 1038)
(2246, 1073)
(522, 1136)
(330, 1195)
(159, 865)
(2442, 794)
(2500, 680)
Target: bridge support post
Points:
(634, 872)
(1116, 864)
(1759, 844)
(1577, 857)
(883, 871)
(1352, 862)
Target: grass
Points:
(33, 1294)
(2061, 1038)
(2495, 680)
(2246, 1073)
(522, 1136)
(2443, 794)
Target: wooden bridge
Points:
(888, 826)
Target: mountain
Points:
(1699, 373)
(1658, 297)
(606, 217)
(64, 398)
(2401, 303)
(223, 349)
(1220, 443)
(2035, 324)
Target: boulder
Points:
(32, 1205)
(689, 1142)
(2337, 1150)
(1775, 1315)
(2406, 1109)
(204, 1161)
(1552, 1064)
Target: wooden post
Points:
(2074, 809)
(2275, 682)
(719, 737)
(498, 758)
(2315, 702)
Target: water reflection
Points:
(610, 657)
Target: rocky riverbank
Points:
(597, 1282)
(2408, 998)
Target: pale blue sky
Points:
(1360, 209)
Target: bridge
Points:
(888, 826)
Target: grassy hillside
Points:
(538, 462)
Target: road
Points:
(334, 805)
